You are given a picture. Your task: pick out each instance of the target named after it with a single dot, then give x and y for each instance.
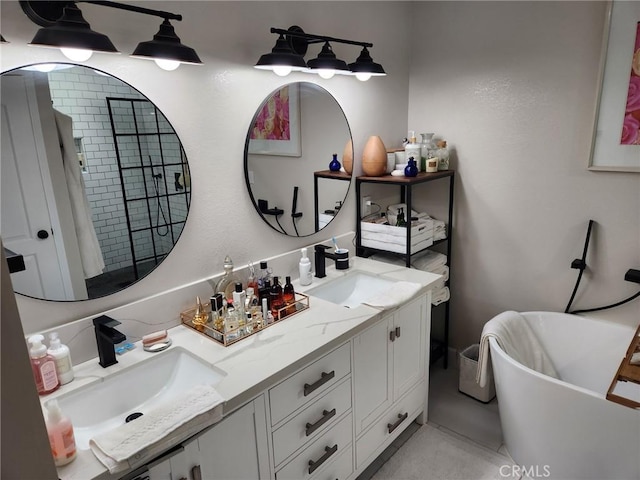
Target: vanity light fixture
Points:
(73, 35)
(291, 47)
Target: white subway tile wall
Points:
(82, 94)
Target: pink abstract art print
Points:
(272, 123)
(631, 125)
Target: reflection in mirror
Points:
(95, 183)
(289, 146)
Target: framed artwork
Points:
(276, 127)
(616, 134)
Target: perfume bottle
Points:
(227, 283)
(252, 281)
(289, 297)
(265, 274)
(239, 299)
(275, 295)
(251, 308)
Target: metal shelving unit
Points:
(407, 185)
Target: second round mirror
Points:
(289, 147)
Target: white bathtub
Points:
(567, 429)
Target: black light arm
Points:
(311, 38)
(133, 8)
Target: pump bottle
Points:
(62, 358)
(43, 366)
(61, 438)
(305, 268)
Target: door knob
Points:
(42, 234)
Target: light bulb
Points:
(326, 73)
(77, 54)
(45, 67)
(166, 64)
(282, 70)
(363, 76)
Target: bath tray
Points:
(627, 373)
(229, 337)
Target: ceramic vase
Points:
(411, 170)
(374, 157)
(347, 157)
(335, 166)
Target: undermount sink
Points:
(102, 406)
(352, 289)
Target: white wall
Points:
(211, 107)
(512, 86)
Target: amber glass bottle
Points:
(277, 302)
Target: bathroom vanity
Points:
(318, 395)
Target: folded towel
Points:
(138, 441)
(428, 260)
(440, 295)
(399, 293)
(442, 270)
(515, 337)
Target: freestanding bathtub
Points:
(566, 429)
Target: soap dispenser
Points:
(43, 366)
(305, 268)
(60, 431)
(62, 358)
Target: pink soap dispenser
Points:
(61, 438)
(43, 366)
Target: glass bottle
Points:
(411, 170)
(334, 165)
(443, 155)
(252, 281)
(265, 274)
(276, 298)
(265, 292)
(227, 283)
(289, 296)
(400, 221)
(427, 150)
(252, 308)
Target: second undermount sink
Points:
(102, 406)
(352, 289)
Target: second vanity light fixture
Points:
(288, 56)
(72, 34)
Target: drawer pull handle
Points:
(326, 416)
(324, 379)
(328, 451)
(397, 332)
(401, 418)
(392, 336)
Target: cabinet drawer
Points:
(320, 453)
(340, 469)
(379, 433)
(311, 421)
(309, 383)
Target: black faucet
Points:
(106, 337)
(321, 252)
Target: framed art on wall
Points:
(276, 127)
(616, 134)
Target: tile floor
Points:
(461, 441)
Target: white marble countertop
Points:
(259, 361)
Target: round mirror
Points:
(289, 148)
(95, 182)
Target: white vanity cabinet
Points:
(312, 421)
(390, 376)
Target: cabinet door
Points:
(409, 361)
(236, 448)
(372, 367)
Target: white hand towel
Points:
(399, 293)
(140, 440)
(515, 337)
(440, 295)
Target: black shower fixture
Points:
(64, 27)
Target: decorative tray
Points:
(213, 327)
